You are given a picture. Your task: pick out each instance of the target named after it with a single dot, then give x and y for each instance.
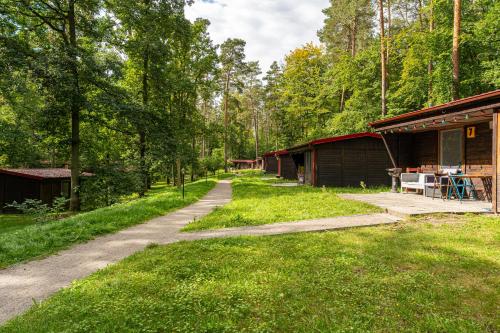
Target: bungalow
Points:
(244, 164)
(343, 161)
(286, 166)
(462, 135)
(270, 162)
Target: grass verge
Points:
(42, 239)
(11, 222)
(430, 275)
(256, 202)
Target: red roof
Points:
(276, 153)
(40, 174)
(492, 96)
(345, 137)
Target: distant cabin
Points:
(42, 184)
(270, 161)
(244, 164)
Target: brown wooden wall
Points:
(348, 163)
(478, 156)
(13, 188)
(271, 164)
(288, 167)
(425, 151)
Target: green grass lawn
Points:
(256, 202)
(429, 275)
(31, 241)
(11, 222)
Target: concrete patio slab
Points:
(405, 205)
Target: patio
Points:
(404, 205)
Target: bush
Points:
(40, 211)
(107, 187)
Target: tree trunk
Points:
(75, 112)
(142, 133)
(256, 129)
(430, 66)
(420, 18)
(389, 26)
(382, 58)
(354, 35)
(203, 138)
(226, 120)
(456, 49)
(342, 99)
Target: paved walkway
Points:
(324, 224)
(20, 285)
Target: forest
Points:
(134, 92)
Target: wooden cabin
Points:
(462, 135)
(42, 184)
(270, 162)
(244, 164)
(343, 161)
(286, 166)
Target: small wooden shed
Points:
(270, 162)
(286, 166)
(42, 184)
(244, 164)
(344, 161)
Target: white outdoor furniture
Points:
(416, 181)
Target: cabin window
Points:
(451, 147)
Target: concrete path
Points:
(324, 224)
(23, 284)
(409, 204)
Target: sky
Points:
(271, 28)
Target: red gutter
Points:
(276, 153)
(441, 107)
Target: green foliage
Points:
(256, 202)
(214, 162)
(31, 207)
(39, 211)
(11, 222)
(429, 275)
(47, 238)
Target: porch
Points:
(457, 144)
(411, 204)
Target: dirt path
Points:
(23, 284)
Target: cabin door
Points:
(451, 149)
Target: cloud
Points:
(272, 28)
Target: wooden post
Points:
(393, 161)
(496, 162)
(314, 166)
